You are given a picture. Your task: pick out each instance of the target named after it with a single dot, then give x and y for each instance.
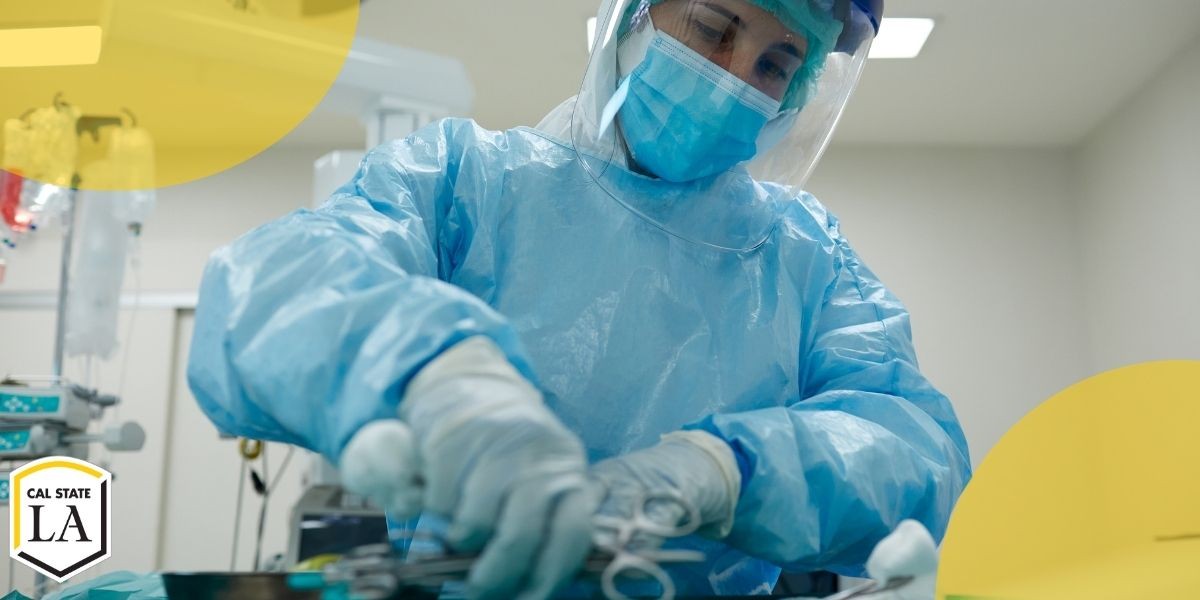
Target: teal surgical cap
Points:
(813, 18)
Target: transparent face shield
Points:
(695, 114)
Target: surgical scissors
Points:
(621, 536)
(625, 548)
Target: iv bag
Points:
(97, 275)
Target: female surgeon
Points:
(635, 297)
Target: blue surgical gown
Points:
(792, 351)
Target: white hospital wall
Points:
(1140, 217)
(981, 247)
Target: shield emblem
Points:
(60, 516)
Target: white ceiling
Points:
(994, 72)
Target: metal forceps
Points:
(870, 588)
(619, 536)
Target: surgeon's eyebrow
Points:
(788, 48)
(721, 10)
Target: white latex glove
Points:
(492, 459)
(908, 552)
(380, 463)
(695, 466)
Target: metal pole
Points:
(64, 278)
(40, 582)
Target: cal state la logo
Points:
(60, 516)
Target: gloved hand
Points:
(494, 460)
(909, 551)
(380, 463)
(693, 466)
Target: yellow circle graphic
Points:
(1095, 494)
(135, 94)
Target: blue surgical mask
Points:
(684, 117)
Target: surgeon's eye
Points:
(779, 65)
(772, 71)
(711, 32)
(707, 32)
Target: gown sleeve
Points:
(311, 326)
(870, 443)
